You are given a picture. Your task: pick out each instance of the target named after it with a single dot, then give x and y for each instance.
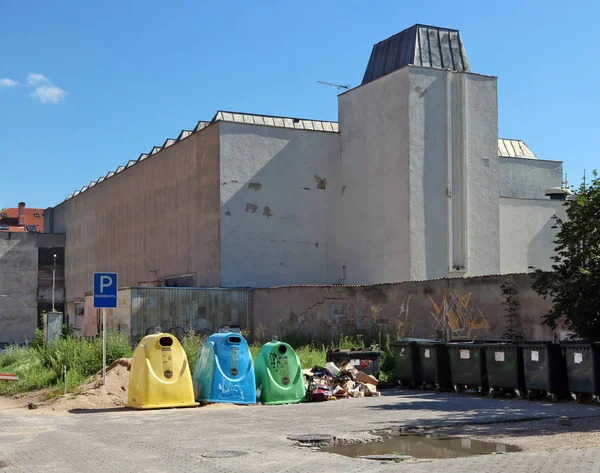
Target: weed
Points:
(42, 366)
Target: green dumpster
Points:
(407, 369)
(278, 374)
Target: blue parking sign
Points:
(105, 290)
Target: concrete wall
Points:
(453, 174)
(275, 186)
(526, 233)
(418, 182)
(18, 286)
(447, 308)
(162, 213)
(370, 205)
(528, 178)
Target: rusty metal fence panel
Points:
(202, 309)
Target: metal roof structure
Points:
(419, 45)
(281, 122)
(224, 116)
(508, 148)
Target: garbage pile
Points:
(333, 382)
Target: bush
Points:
(42, 366)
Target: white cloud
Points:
(6, 82)
(36, 79)
(45, 91)
(49, 93)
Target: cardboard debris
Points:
(322, 385)
(366, 378)
(349, 368)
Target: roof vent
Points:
(557, 193)
(419, 45)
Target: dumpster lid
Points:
(578, 343)
(354, 350)
(537, 343)
(402, 341)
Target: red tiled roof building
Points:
(21, 219)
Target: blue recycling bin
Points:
(224, 371)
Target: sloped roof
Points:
(281, 122)
(509, 148)
(224, 116)
(12, 219)
(419, 45)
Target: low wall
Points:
(446, 308)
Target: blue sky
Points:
(98, 83)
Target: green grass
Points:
(41, 366)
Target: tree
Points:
(513, 330)
(573, 283)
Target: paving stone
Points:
(206, 439)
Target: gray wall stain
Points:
(251, 207)
(321, 183)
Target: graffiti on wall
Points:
(402, 325)
(348, 315)
(457, 316)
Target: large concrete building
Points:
(412, 184)
(27, 260)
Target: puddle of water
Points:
(423, 446)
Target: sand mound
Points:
(94, 395)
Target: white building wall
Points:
(370, 205)
(274, 189)
(454, 181)
(528, 178)
(526, 233)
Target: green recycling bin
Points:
(278, 375)
(407, 368)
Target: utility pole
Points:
(53, 281)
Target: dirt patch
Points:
(535, 436)
(93, 395)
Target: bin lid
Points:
(537, 343)
(353, 351)
(404, 341)
(578, 343)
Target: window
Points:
(3, 215)
(31, 228)
(37, 215)
(4, 227)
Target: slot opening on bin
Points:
(282, 349)
(165, 341)
(234, 339)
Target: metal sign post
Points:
(104, 346)
(105, 297)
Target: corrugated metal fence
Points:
(203, 309)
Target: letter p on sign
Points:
(105, 281)
(105, 290)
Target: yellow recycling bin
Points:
(160, 375)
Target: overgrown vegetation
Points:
(573, 283)
(41, 366)
(513, 330)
